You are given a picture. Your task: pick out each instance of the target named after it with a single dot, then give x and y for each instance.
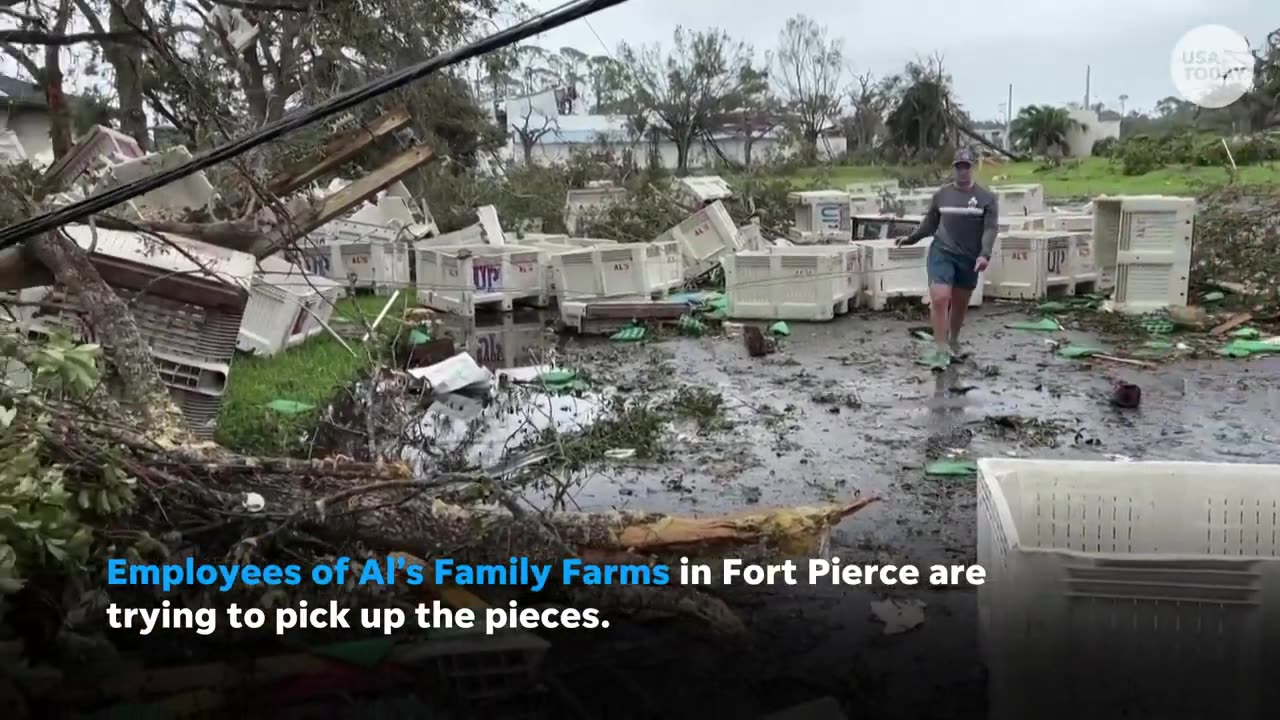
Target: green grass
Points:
(1074, 179)
(310, 373)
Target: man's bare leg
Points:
(959, 306)
(939, 304)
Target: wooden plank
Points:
(339, 151)
(339, 203)
(1234, 322)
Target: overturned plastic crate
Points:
(850, 258)
(1031, 265)
(704, 188)
(286, 307)
(187, 302)
(821, 212)
(460, 279)
(663, 266)
(1142, 245)
(891, 272)
(785, 284)
(703, 237)
(1139, 589)
(607, 271)
(583, 204)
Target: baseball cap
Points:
(963, 157)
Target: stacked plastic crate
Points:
(364, 255)
(188, 306)
(460, 279)
(820, 216)
(1029, 265)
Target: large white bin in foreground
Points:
(1144, 590)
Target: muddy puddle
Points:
(841, 409)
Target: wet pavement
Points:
(842, 408)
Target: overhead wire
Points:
(83, 209)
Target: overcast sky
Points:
(1042, 47)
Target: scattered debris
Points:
(1043, 324)
(757, 344)
(899, 616)
(954, 468)
(780, 329)
(1233, 322)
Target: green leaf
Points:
(418, 337)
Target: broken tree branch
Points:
(40, 37)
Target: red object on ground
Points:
(1126, 395)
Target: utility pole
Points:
(1087, 71)
(1008, 121)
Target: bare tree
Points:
(869, 100)
(704, 75)
(807, 68)
(529, 133)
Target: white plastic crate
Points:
(1030, 265)
(783, 284)
(849, 286)
(609, 271)
(1142, 245)
(874, 188)
(580, 204)
(469, 235)
(359, 254)
(1136, 589)
(458, 279)
(1015, 200)
(914, 203)
(1068, 222)
(286, 307)
(864, 204)
(750, 237)
(824, 212)
(881, 227)
(663, 266)
(705, 188)
(703, 237)
(1084, 267)
(889, 271)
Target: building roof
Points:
(16, 90)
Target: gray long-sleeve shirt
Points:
(962, 222)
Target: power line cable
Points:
(83, 209)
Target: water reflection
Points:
(503, 340)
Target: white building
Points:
(24, 112)
(559, 137)
(1088, 129)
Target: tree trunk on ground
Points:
(143, 394)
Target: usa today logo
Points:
(1212, 66)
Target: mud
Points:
(842, 408)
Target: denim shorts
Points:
(951, 270)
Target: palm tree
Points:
(1040, 128)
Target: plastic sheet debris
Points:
(952, 468)
(290, 407)
(780, 329)
(1043, 324)
(635, 333)
(459, 372)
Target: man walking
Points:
(962, 219)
